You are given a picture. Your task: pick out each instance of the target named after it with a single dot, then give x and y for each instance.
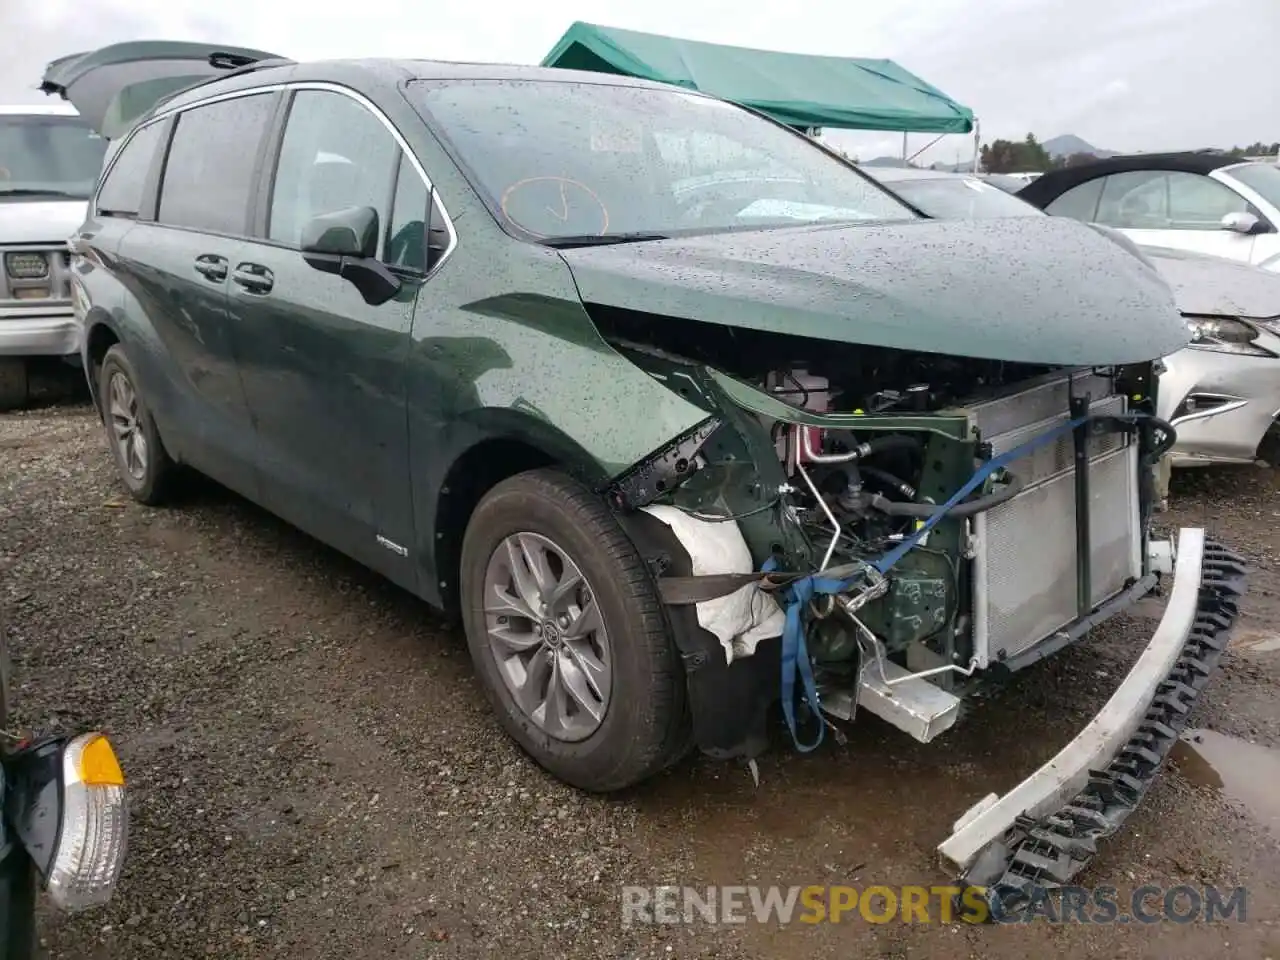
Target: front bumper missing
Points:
(1045, 830)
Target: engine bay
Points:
(848, 454)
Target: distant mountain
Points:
(1069, 143)
(884, 162)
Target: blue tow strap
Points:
(795, 654)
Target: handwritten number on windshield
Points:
(571, 196)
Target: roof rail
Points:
(234, 64)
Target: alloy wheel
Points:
(126, 428)
(547, 636)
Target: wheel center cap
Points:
(551, 633)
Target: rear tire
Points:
(141, 460)
(624, 716)
(15, 385)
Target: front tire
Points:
(140, 457)
(568, 635)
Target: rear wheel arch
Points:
(100, 337)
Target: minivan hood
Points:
(1214, 286)
(1023, 289)
(40, 221)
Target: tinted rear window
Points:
(208, 176)
(121, 193)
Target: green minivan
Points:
(683, 416)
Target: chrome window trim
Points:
(337, 88)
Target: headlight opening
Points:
(1225, 335)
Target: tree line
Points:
(1030, 156)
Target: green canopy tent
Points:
(798, 90)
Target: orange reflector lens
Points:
(99, 766)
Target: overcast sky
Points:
(1122, 74)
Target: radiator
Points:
(1025, 583)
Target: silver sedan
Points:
(1222, 392)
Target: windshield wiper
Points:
(26, 192)
(593, 240)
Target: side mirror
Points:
(1242, 222)
(352, 232)
(345, 243)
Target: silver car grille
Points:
(1025, 585)
(21, 285)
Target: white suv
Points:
(50, 160)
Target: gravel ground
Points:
(314, 773)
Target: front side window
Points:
(1198, 202)
(1136, 200)
(48, 155)
(559, 161)
(209, 173)
(335, 154)
(406, 242)
(1078, 203)
(121, 193)
(1166, 200)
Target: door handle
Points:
(212, 267)
(253, 277)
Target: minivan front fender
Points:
(478, 450)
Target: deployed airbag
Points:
(743, 618)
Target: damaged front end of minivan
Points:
(860, 528)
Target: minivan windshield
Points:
(568, 161)
(48, 155)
